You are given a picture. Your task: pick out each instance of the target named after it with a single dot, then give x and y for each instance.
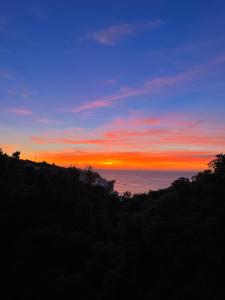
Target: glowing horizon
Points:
(179, 161)
(115, 89)
(143, 162)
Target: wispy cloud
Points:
(171, 141)
(152, 85)
(126, 92)
(145, 133)
(111, 81)
(49, 121)
(113, 34)
(40, 140)
(134, 121)
(26, 92)
(19, 111)
(217, 60)
(93, 105)
(6, 74)
(22, 92)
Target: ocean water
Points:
(142, 181)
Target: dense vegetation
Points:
(62, 239)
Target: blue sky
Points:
(72, 72)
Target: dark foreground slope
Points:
(62, 239)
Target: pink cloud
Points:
(113, 34)
(150, 121)
(39, 140)
(151, 85)
(18, 111)
(217, 60)
(92, 105)
(134, 122)
(47, 140)
(148, 134)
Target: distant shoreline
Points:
(141, 181)
(144, 170)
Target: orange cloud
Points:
(147, 137)
(146, 143)
(40, 141)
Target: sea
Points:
(142, 181)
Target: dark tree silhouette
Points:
(218, 164)
(65, 239)
(16, 154)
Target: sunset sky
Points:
(113, 84)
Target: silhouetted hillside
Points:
(63, 238)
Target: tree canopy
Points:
(65, 239)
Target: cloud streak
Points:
(111, 81)
(6, 74)
(93, 105)
(147, 138)
(151, 85)
(114, 34)
(143, 134)
(19, 111)
(47, 121)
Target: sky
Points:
(113, 84)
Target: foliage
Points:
(63, 239)
(218, 164)
(16, 154)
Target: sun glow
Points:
(108, 163)
(132, 160)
